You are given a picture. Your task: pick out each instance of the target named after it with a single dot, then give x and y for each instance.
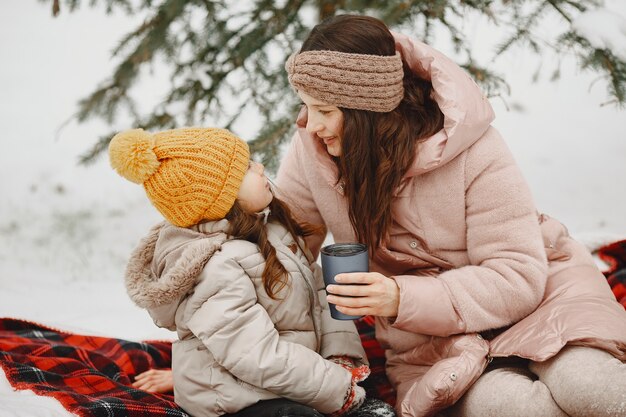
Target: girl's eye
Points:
(324, 112)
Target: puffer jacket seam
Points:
(317, 393)
(242, 356)
(336, 331)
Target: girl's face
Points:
(325, 121)
(255, 193)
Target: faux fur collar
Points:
(150, 288)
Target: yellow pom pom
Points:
(131, 154)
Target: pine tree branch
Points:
(73, 5)
(600, 60)
(267, 143)
(226, 57)
(491, 83)
(581, 6)
(562, 12)
(523, 31)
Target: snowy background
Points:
(66, 230)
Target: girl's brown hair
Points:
(377, 148)
(252, 227)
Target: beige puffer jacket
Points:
(236, 344)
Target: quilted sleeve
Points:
(507, 275)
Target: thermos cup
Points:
(339, 258)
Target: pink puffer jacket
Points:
(467, 249)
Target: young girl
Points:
(229, 272)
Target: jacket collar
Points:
(167, 262)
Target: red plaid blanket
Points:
(615, 255)
(376, 385)
(90, 376)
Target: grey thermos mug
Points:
(339, 258)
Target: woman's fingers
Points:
(358, 277)
(355, 311)
(366, 284)
(376, 295)
(349, 301)
(349, 290)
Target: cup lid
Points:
(344, 249)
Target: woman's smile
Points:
(328, 140)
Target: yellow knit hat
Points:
(189, 174)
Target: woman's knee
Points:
(585, 381)
(506, 391)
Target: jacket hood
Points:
(467, 112)
(166, 263)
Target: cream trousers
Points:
(577, 382)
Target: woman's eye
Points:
(324, 112)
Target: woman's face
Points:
(325, 122)
(255, 193)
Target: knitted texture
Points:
(189, 174)
(353, 81)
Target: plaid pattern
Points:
(615, 255)
(376, 385)
(90, 376)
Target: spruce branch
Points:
(226, 57)
(491, 83)
(601, 61)
(267, 143)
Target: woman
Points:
(485, 306)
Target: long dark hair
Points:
(377, 148)
(252, 227)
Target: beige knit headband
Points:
(353, 81)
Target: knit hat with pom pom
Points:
(189, 174)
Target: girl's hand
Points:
(376, 294)
(354, 399)
(155, 380)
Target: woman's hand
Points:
(155, 380)
(377, 295)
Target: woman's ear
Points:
(303, 117)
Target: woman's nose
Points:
(313, 127)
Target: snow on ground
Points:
(66, 230)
